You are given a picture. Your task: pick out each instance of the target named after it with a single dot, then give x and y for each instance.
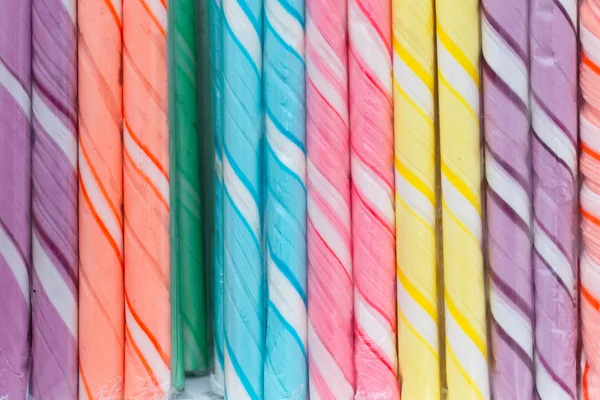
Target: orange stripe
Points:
(589, 151)
(146, 151)
(146, 179)
(586, 394)
(144, 328)
(141, 357)
(85, 384)
(587, 61)
(100, 185)
(593, 219)
(103, 228)
(590, 298)
(164, 3)
(153, 18)
(113, 12)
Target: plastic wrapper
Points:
(553, 75)
(505, 47)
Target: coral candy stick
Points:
(415, 146)
(101, 301)
(54, 201)
(458, 50)
(329, 230)
(15, 184)
(146, 200)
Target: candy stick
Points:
(458, 82)
(15, 183)
(590, 197)
(414, 120)
(243, 129)
(54, 280)
(146, 200)
(330, 288)
(505, 37)
(216, 58)
(372, 164)
(286, 374)
(101, 302)
(553, 102)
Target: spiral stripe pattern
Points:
(285, 213)
(244, 293)
(101, 308)
(508, 172)
(54, 200)
(329, 230)
(458, 48)
(415, 178)
(15, 184)
(553, 102)
(146, 200)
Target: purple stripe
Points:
(508, 211)
(54, 102)
(553, 375)
(553, 273)
(565, 15)
(554, 240)
(522, 54)
(513, 296)
(521, 180)
(559, 160)
(493, 78)
(510, 342)
(554, 119)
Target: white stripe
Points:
(334, 241)
(590, 134)
(146, 165)
(504, 61)
(286, 151)
(14, 88)
(413, 86)
(286, 26)
(286, 299)
(415, 200)
(547, 388)
(314, 393)
(512, 322)
(590, 44)
(159, 368)
(324, 50)
(233, 386)
(328, 192)
(461, 208)
(15, 262)
(242, 198)
(554, 257)
(458, 78)
(159, 11)
(570, 7)
(327, 90)
(99, 202)
(329, 369)
(468, 355)
(243, 30)
(58, 292)
(590, 275)
(553, 136)
(71, 9)
(82, 392)
(418, 318)
(508, 189)
(372, 188)
(56, 130)
(369, 45)
(376, 328)
(590, 200)
(218, 167)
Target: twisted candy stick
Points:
(285, 247)
(506, 98)
(216, 58)
(590, 196)
(458, 81)
(553, 105)
(146, 200)
(330, 291)
(372, 163)
(244, 292)
(54, 200)
(15, 181)
(414, 116)
(101, 302)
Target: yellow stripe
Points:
(416, 295)
(458, 54)
(465, 325)
(460, 223)
(419, 337)
(415, 181)
(458, 96)
(414, 214)
(463, 372)
(413, 64)
(462, 188)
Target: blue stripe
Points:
(285, 168)
(242, 49)
(238, 172)
(288, 328)
(283, 43)
(240, 372)
(244, 222)
(293, 12)
(284, 131)
(250, 16)
(287, 272)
